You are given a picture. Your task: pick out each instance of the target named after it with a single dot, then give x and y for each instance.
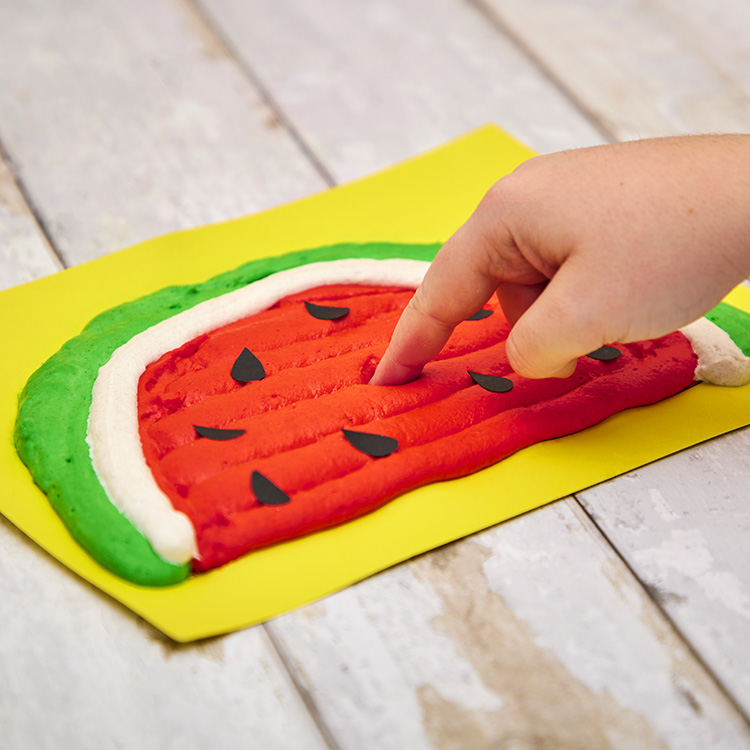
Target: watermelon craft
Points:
(194, 425)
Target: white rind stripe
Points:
(720, 360)
(113, 436)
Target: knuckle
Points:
(425, 310)
(501, 194)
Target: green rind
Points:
(735, 322)
(50, 433)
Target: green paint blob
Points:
(735, 322)
(50, 433)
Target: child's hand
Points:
(583, 248)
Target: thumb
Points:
(561, 325)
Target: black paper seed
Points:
(377, 446)
(605, 354)
(217, 433)
(493, 383)
(266, 491)
(247, 367)
(480, 315)
(321, 312)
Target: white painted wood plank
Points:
(643, 68)
(25, 253)
(362, 151)
(368, 84)
(653, 69)
(683, 525)
(353, 67)
(521, 636)
(77, 670)
(717, 30)
(127, 120)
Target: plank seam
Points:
(304, 693)
(495, 20)
(264, 92)
(31, 205)
(651, 595)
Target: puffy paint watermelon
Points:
(264, 428)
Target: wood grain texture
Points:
(522, 636)
(336, 93)
(25, 253)
(128, 120)
(650, 69)
(369, 84)
(79, 671)
(718, 32)
(643, 69)
(683, 524)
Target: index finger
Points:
(456, 285)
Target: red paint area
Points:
(316, 384)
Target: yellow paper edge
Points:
(422, 200)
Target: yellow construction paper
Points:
(422, 200)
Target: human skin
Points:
(583, 248)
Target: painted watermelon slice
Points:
(247, 419)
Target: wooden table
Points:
(618, 618)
